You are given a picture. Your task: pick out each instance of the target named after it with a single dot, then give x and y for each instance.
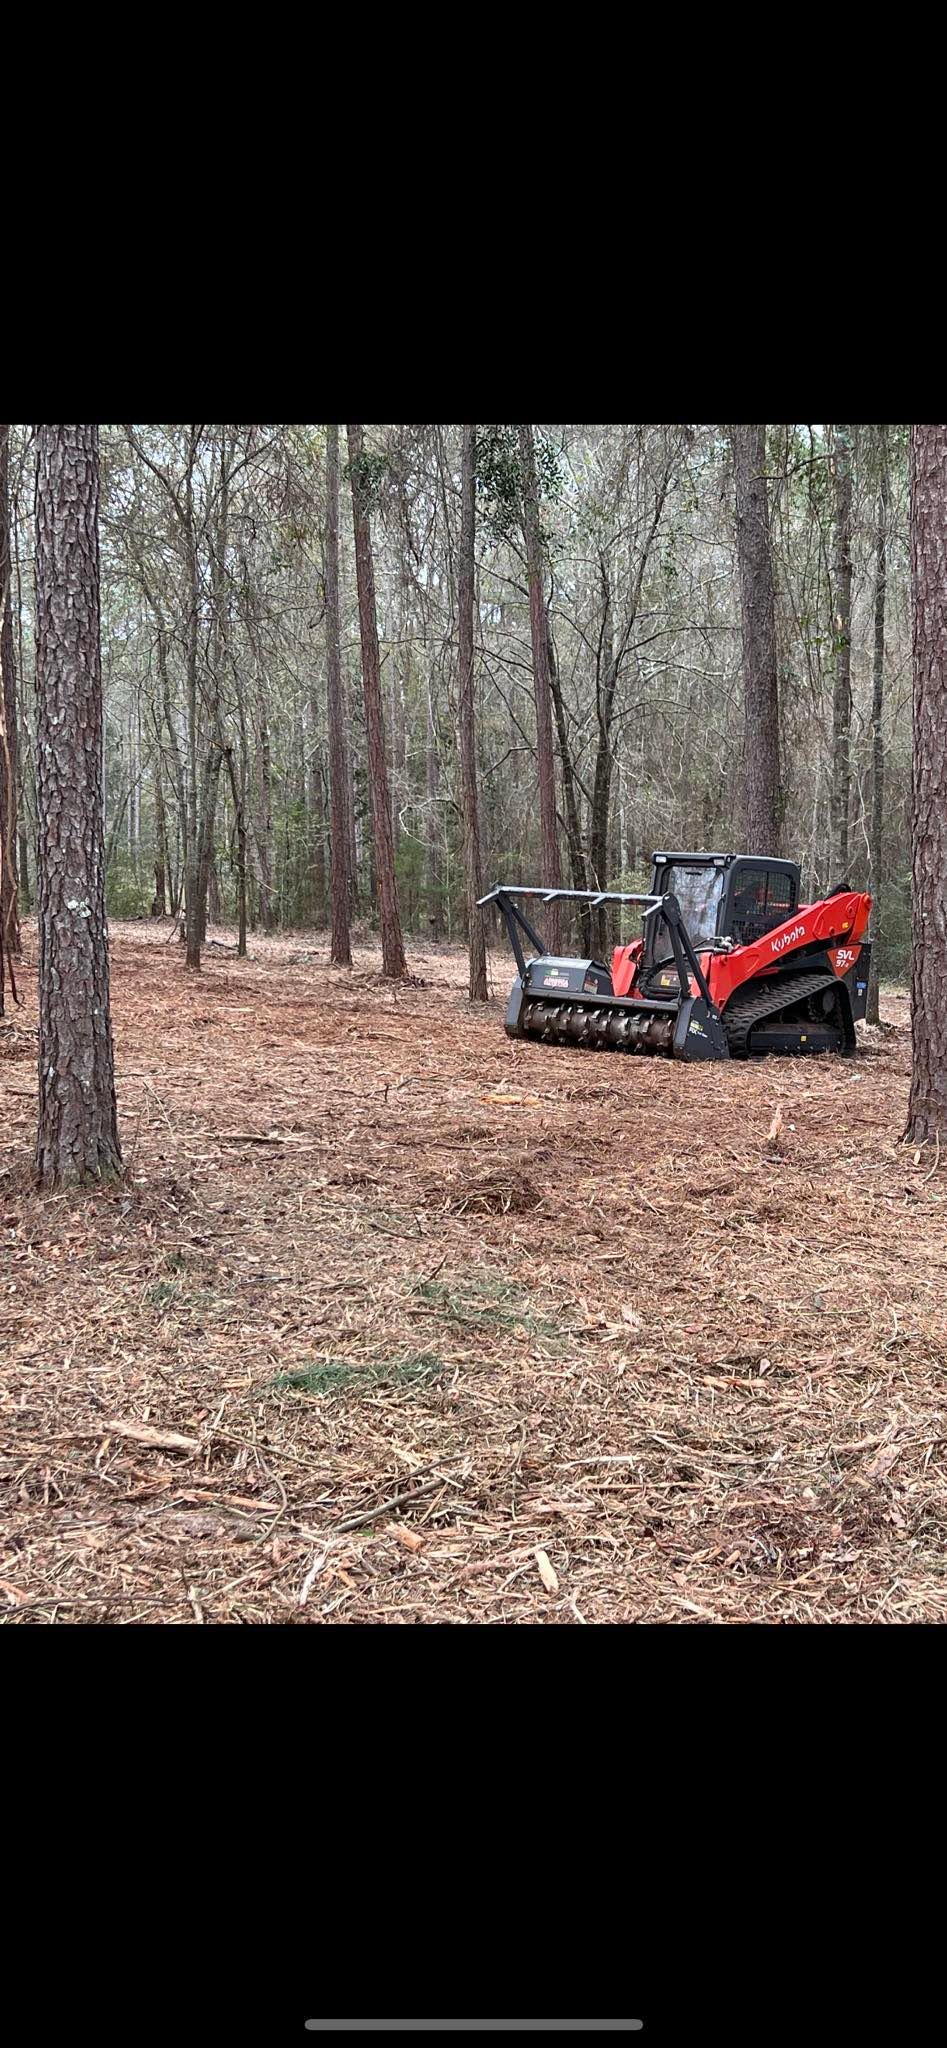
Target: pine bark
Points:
(78, 1127)
(339, 879)
(394, 963)
(877, 733)
(9, 922)
(758, 611)
(927, 1109)
(473, 873)
(545, 755)
(841, 462)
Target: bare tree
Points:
(927, 1108)
(841, 466)
(340, 881)
(78, 1126)
(545, 755)
(760, 681)
(392, 944)
(613, 649)
(468, 732)
(877, 709)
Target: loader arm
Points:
(836, 924)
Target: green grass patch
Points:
(485, 1303)
(341, 1375)
(170, 1293)
(162, 1293)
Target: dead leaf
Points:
(142, 1433)
(546, 1572)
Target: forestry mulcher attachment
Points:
(729, 964)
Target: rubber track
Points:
(740, 1018)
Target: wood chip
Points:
(880, 1466)
(546, 1572)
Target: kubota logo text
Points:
(789, 938)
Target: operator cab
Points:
(723, 897)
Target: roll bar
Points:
(667, 908)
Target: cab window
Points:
(762, 899)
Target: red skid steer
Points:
(729, 964)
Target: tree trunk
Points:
(841, 462)
(239, 792)
(473, 874)
(161, 834)
(78, 1126)
(545, 756)
(9, 922)
(206, 858)
(213, 891)
(191, 849)
(611, 652)
(927, 1109)
(433, 883)
(877, 737)
(392, 944)
(264, 810)
(208, 886)
(606, 683)
(760, 682)
(316, 891)
(339, 877)
(24, 896)
(570, 793)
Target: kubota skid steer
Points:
(729, 964)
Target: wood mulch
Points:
(394, 1320)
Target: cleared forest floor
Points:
(398, 1321)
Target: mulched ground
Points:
(395, 1320)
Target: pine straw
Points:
(422, 1304)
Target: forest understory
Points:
(394, 1319)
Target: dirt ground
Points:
(395, 1320)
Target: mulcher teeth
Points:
(600, 1029)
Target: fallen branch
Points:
(142, 1433)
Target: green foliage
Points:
(895, 944)
(500, 476)
(127, 894)
(295, 847)
(369, 474)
